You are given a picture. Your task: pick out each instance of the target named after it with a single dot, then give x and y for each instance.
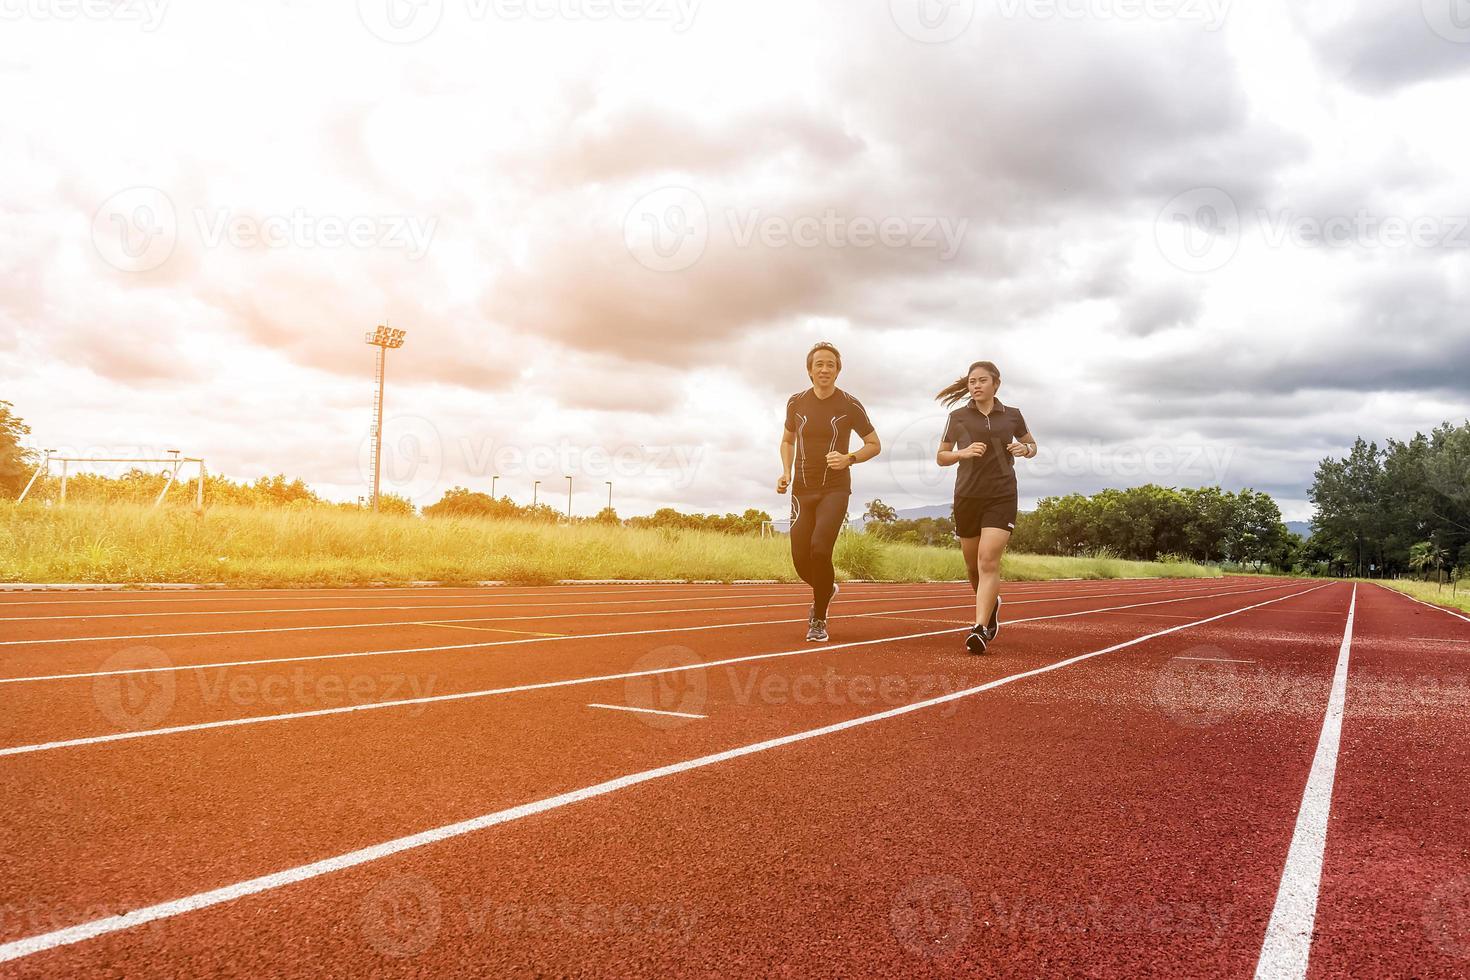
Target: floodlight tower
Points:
(383, 339)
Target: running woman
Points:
(816, 468)
(985, 438)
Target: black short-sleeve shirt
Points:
(994, 474)
(823, 425)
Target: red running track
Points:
(1121, 789)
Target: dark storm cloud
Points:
(1404, 332)
(1149, 309)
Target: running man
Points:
(990, 437)
(815, 466)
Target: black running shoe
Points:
(992, 628)
(817, 633)
(976, 642)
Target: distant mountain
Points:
(1304, 528)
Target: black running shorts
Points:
(972, 514)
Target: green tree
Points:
(16, 462)
(880, 513)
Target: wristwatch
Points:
(852, 459)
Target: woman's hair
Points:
(822, 345)
(958, 391)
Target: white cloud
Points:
(523, 142)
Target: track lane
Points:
(163, 775)
(1396, 874)
(107, 706)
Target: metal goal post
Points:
(175, 462)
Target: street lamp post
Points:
(384, 338)
(492, 486)
(609, 493)
(535, 492)
(569, 497)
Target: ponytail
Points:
(958, 391)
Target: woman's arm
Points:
(948, 455)
(1024, 447)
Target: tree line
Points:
(1401, 509)
(1144, 523)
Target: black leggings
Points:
(815, 521)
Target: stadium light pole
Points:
(569, 496)
(384, 338)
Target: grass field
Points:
(1429, 592)
(246, 547)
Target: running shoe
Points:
(992, 628)
(818, 631)
(975, 641)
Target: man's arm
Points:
(788, 458)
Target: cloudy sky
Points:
(1208, 242)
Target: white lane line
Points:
(1216, 660)
(416, 607)
(646, 711)
(492, 692)
(153, 913)
(868, 594)
(584, 636)
(1405, 595)
(1288, 943)
(573, 615)
(599, 614)
(754, 591)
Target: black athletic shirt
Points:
(823, 426)
(994, 474)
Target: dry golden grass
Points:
(321, 546)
